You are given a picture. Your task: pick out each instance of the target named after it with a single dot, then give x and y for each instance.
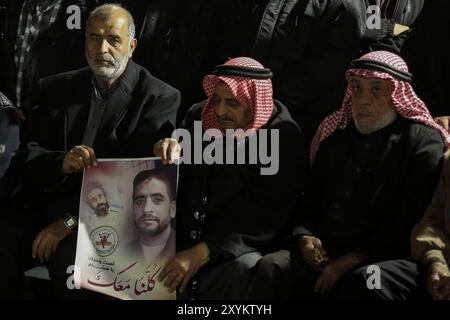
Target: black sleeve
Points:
(46, 188)
(309, 210)
(402, 12)
(420, 177)
(325, 42)
(43, 160)
(155, 123)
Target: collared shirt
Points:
(99, 102)
(35, 17)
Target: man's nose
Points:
(104, 46)
(148, 206)
(220, 109)
(363, 96)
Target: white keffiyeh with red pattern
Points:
(255, 94)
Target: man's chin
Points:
(150, 233)
(101, 212)
(104, 73)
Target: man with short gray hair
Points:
(113, 109)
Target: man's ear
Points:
(133, 44)
(173, 207)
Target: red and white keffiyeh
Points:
(405, 100)
(255, 94)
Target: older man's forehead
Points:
(114, 24)
(95, 192)
(368, 80)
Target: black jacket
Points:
(141, 111)
(403, 12)
(242, 210)
(308, 44)
(400, 188)
(57, 49)
(427, 55)
(173, 42)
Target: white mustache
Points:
(107, 59)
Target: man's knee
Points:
(266, 276)
(387, 280)
(246, 261)
(273, 263)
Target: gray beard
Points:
(109, 73)
(385, 120)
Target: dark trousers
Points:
(19, 229)
(225, 280)
(284, 275)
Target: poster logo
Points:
(104, 240)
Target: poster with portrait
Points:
(126, 231)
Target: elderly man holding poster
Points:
(231, 211)
(112, 109)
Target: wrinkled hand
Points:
(168, 149)
(438, 282)
(444, 122)
(48, 239)
(78, 158)
(335, 269)
(313, 252)
(183, 266)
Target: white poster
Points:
(126, 231)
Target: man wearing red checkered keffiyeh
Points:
(255, 95)
(229, 213)
(371, 181)
(405, 101)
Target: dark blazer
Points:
(244, 211)
(401, 187)
(141, 111)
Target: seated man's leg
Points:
(60, 274)
(18, 232)
(225, 280)
(282, 275)
(399, 280)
